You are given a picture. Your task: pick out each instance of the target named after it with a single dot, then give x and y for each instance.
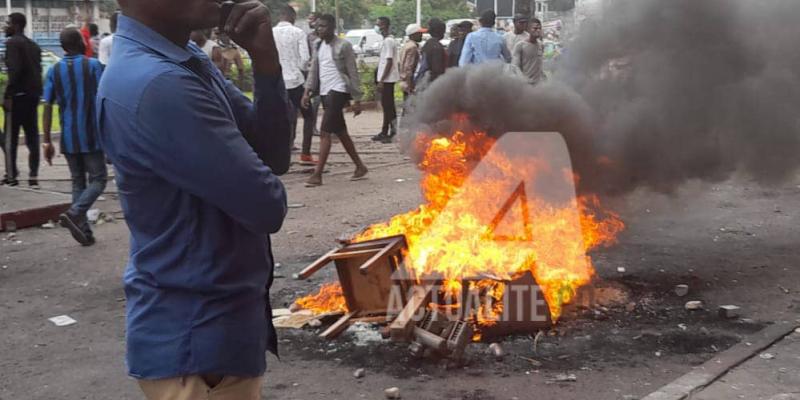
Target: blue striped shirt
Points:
(72, 83)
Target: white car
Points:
(365, 41)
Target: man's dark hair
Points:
(535, 21)
(521, 17)
(94, 30)
(385, 20)
(113, 21)
(72, 41)
(330, 19)
(288, 12)
(487, 18)
(436, 27)
(18, 20)
(465, 25)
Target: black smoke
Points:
(653, 94)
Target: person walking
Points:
(519, 34)
(387, 76)
(334, 76)
(104, 52)
(196, 163)
(458, 33)
(484, 45)
(79, 142)
(311, 117)
(528, 55)
(294, 55)
(23, 60)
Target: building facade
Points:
(46, 18)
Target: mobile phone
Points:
(225, 12)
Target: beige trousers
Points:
(196, 387)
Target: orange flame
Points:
(328, 299)
(448, 236)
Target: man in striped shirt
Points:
(72, 83)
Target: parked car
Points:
(365, 41)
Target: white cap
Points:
(414, 28)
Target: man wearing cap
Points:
(519, 34)
(409, 58)
(484, 45)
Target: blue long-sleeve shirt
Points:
(483, 45)
(189, 151)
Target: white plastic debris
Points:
(681, 290)
(399, 180)
(658, 354)
(49, 225)
(63, 320)
(359, 373)
(682, 327)
(767, 356)
(729, 311)
(296, 205)
(621, 270)
(93, 215)
(392, 393)
(694, 305)
(565, 378)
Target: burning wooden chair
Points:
(370, 273)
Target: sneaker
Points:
(74, 224)
(34, 184)
(307, 159)
(9, 182)
(379, 137)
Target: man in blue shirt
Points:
(196, 164)
(72, 83)
(485, 44)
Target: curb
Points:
(706, 374)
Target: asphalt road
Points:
(733, 243)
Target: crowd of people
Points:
(318, 68)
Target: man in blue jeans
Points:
(72, 83)
(196, 163)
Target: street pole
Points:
(336, 6)
(8, 7)
(419, 12)
(313, 5)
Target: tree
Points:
(404, 12)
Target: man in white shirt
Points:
(387, 76)
(334, 76)
(104, 53)
(292, 46)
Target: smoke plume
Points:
(652, 94)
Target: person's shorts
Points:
(333, 117)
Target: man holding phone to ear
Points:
(196, 165)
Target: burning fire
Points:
(328, 299)
(456, 233)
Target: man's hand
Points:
(250, 26)
(49, 151)
(305, 102)
(356, 108)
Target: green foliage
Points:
(352, 12)
(404, 12)
(367, 73)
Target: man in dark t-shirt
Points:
(433, 52)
